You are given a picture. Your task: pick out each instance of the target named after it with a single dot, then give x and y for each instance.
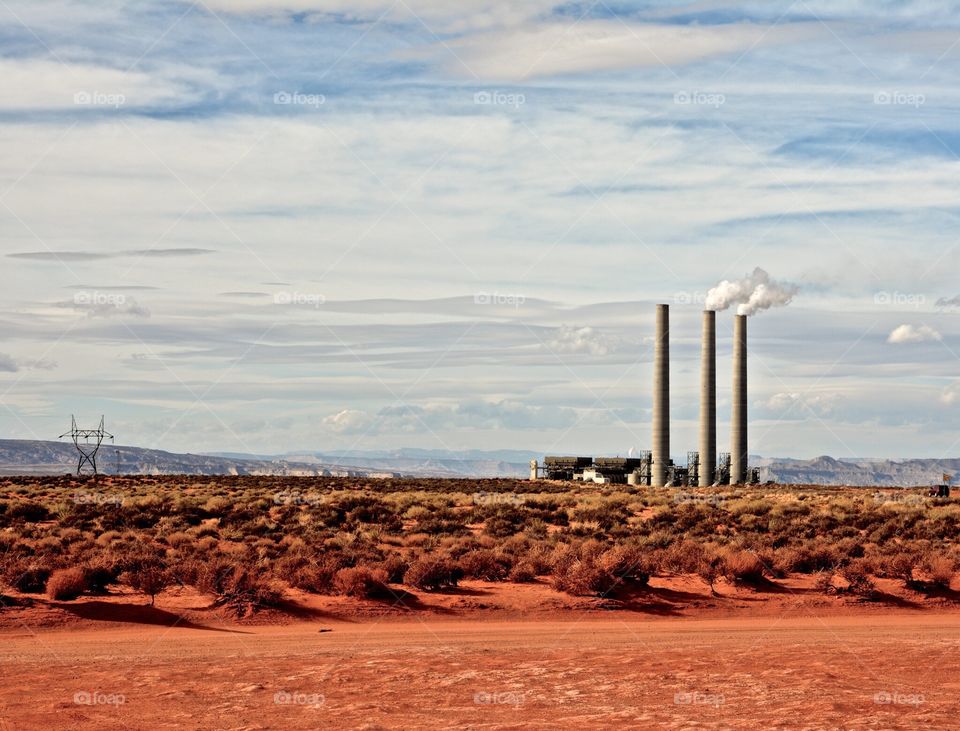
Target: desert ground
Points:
(264, 603)
(794, 670)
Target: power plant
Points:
(656, 468)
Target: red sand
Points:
(527, 658)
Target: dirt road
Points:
(889, 671)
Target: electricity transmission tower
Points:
(87, 442)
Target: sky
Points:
(270, 226)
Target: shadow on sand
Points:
(133, 614)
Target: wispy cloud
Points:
(463, 241)
(913, 334)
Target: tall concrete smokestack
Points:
(708, 399)
(661, 398)
(738, 426)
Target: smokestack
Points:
(661, 398)
(738, 426)
(708, 399)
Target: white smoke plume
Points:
(756, 292)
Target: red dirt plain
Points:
(487, 656)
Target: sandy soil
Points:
(742, 660)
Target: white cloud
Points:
(913, 334)
(553, 48)
(34, 83)
(951, 394)
(438, 15)
(439, 417)
(800, 405)
(348, 421)
(579, 340)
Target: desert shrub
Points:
(523, 572)
(108, 537)
(242, 589)
(689, 519)
(217, 506)
(781, 561)
(67, 584)
(630, 563)
(310, 573)
(485, 565)
(608, 515)
(70, 535)
(206, 531)
(431, 573)
(857, 575)
(371, 510)
(901, 566)
(150, 579)
(100, 575)
(178, 539)
(710, 568)
(539, 556)
(439, 521)
(7, 541)
(823, 582)
(394, 566)
(362, 582)
(683, 558)
(742, 567)
(583, 577)
(548, 511)
(815, 558)
(504, 521)
(207, 544)
(751, 507)
(577, 570)
(27, 511)
(940, 569)
(30, 580)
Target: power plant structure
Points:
(655, 468)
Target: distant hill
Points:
(418, 462)
(29, 457)
(21, 456)
(866, 472)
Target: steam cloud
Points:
(752, 294)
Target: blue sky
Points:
(278, 225)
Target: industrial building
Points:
(655, 467)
